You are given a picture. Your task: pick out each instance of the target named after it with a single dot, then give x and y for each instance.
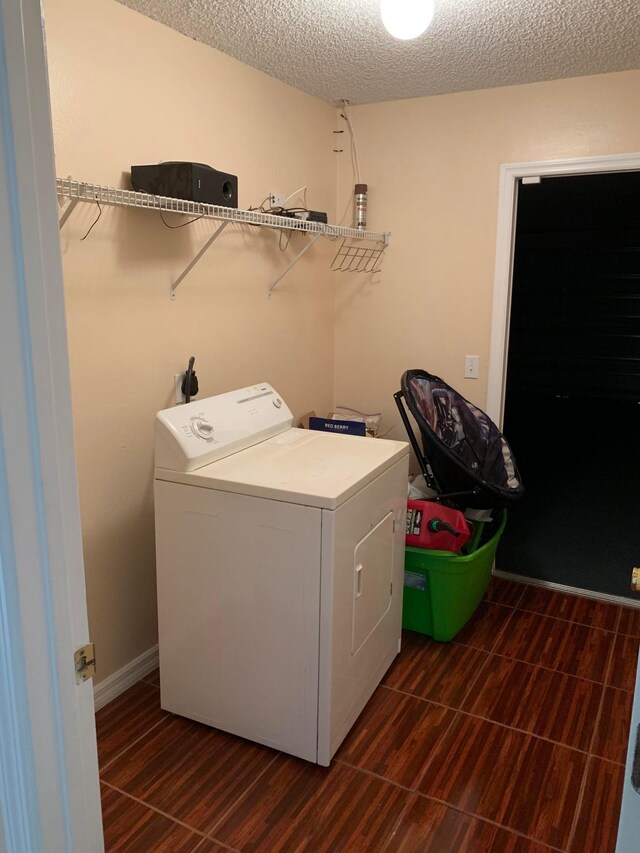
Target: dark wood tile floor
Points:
(511, 739)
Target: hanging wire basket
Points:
(351, 258)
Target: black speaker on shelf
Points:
(192, 181)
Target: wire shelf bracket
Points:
(363, 261)
(293, 262)
(67, 211)
(210, 241)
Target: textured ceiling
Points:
(339, 48)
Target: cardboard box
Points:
(336, 426)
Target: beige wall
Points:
(127, 90)
(433, 165)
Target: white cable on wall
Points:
(294, 194)
(354, 148)
(355, 163)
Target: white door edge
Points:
(49, 788)
(510, 174)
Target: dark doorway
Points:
(572, 410)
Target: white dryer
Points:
(280, 570)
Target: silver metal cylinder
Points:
(360, 201)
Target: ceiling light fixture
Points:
(406, 19)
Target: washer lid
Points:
(299, 466)
(195, 434)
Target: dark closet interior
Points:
(572, 411)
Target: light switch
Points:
(471, 367)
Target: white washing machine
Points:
(280, 570)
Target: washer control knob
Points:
(203, 429)
(277, 402)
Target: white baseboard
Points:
(125, 677)
(571, 590)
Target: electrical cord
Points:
(188, 378)
(260, 207)
(354, 146)
(281, 207)
(294, 194)
(286, 245)
(182, 224)
(355, 162)
(94, 221)
(279, 210)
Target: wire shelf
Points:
(357, 258)
(80, 191)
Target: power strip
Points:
(305, 215)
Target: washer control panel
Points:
(195, 434)
(202, 428)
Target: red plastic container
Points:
(436, 527)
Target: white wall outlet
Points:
(178, 379)
(471, 367)
(276, 199)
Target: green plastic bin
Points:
(442, 590)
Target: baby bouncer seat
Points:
(464, 458)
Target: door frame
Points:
(510, 175)
(49, 786)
